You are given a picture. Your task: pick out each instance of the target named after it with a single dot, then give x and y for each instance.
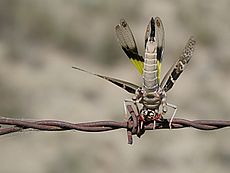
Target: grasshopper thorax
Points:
(153, 103)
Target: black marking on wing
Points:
(132, 54)
(150, 31)
(160, 53)
(125, 36)
(160, 38)
(129, 87)
(128, 44)
(173, 77)
(175, 71)
(122, 85)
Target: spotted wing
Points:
(175, 71)
(129, 87)
(128, 44)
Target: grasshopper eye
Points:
(151, 113)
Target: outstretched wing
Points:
(128, 44)
(156, 27)
(129, 87)
(160, 37)
(175, 71)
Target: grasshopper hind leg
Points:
(174, 113)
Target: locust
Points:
(150, 99)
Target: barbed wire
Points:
(133, 125)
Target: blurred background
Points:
(40, 41)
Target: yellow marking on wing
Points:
(158, 70)
(139, 65)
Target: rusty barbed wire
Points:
(133, 126)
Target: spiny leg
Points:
(126, 101)
(174, 113)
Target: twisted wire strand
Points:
(133, 126)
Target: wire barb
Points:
(133, 125)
